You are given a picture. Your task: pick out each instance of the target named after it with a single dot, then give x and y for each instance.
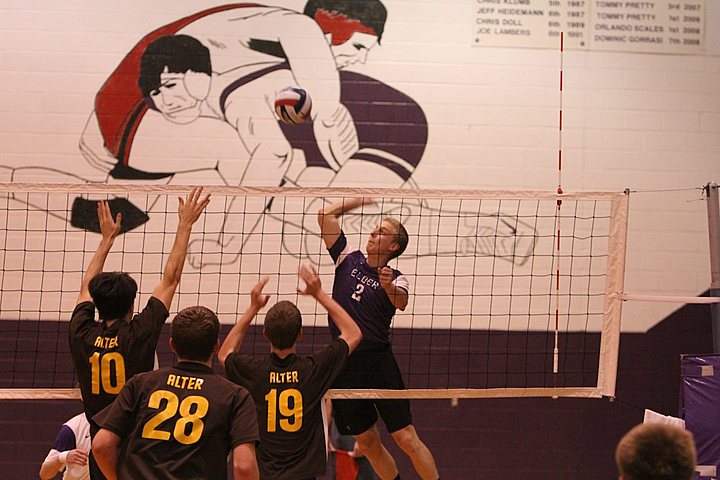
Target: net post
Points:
(713, 213)
(614, 287)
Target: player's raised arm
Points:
(235, 337)
(328, 217)
(109, 228)
(189, 211)
(349, 330)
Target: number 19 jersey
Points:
(288, 394)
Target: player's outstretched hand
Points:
(311, 278)
(257, 299)
(109, 227)
(190, 209)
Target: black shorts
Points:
(371, 369)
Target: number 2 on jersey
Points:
(358, 291)
(292, 415)
(102, 367)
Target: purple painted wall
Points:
(496, 438)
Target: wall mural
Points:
(225, 64)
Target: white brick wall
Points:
(639, 121)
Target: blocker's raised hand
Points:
(192, 206)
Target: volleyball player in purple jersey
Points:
(371, 291)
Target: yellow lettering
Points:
(284, 377)
(190, 383)
(106, 342)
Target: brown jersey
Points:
(179, 423)
(107, 357)
(288, 395)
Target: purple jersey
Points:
(357, 289)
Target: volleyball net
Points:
(512, 293)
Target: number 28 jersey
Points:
(179, 423)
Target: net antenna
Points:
(556, 351)
(485, 316)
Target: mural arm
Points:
(314, 69)
(92, 146)
(270, 156)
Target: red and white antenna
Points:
(557, 219)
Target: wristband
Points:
(63, 457)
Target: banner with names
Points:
(650, 26)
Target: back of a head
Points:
(282, 324)
(194, 333)
(113, 294)
(656, 452)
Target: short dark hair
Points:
(113, 294)
(401, 236)
(282, 324)
(179, 53)
(370, 13)
(656, 451)
(195, 333)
